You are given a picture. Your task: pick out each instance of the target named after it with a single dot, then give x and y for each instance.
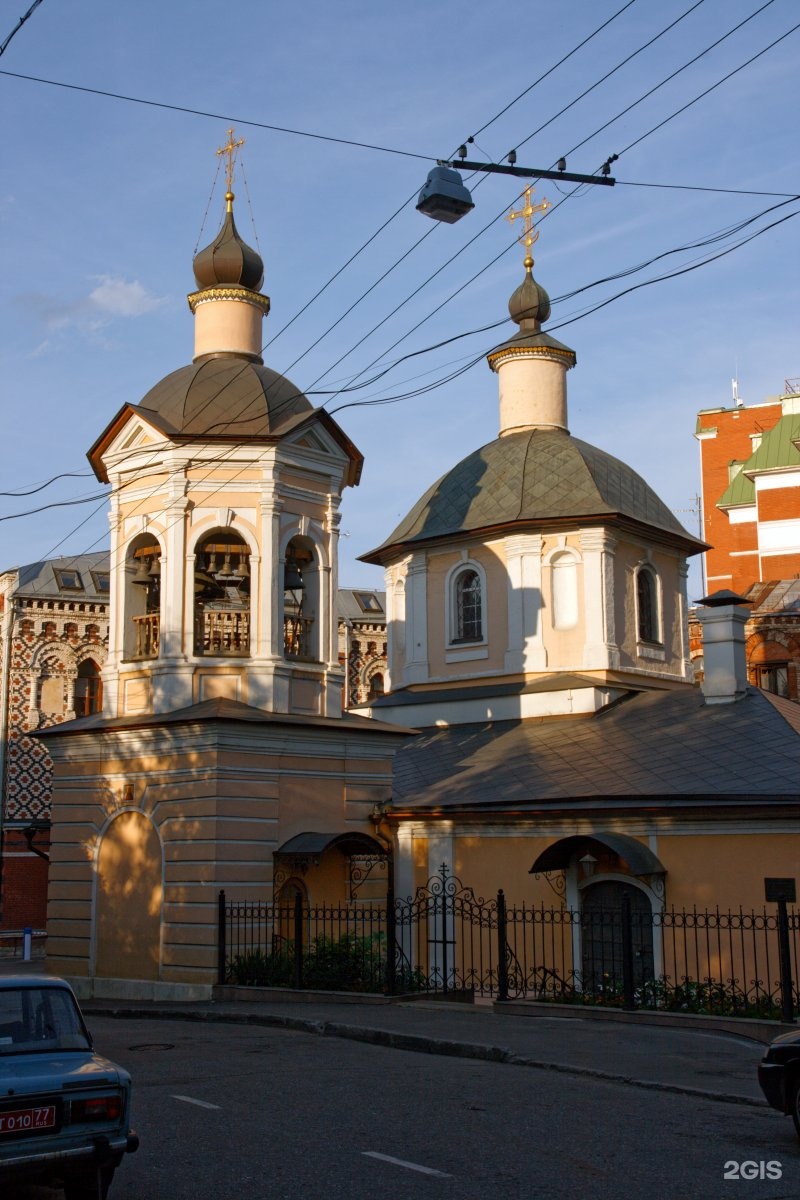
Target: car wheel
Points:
(92, 1183)
(794, 1103)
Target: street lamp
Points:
(589, 863)
(445, 196)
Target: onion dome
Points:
(229, 261)
(529, 305)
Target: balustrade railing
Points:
(222, 632)
(297, 637)
(147, 635)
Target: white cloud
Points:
(119, 298)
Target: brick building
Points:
(750, 496)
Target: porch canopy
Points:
(311, 846)
(638, 858)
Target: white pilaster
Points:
(416, 670)
(601, 651)
(526, 650)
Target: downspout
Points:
(348, 624)
(5, 679)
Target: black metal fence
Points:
(446, 939)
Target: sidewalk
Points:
(692, 1059)
(713, 1064)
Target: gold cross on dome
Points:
(529, 234)
(230, 150)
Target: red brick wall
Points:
(779, 504)
(24, 883)
(780, 566)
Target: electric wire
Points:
(19, 25)
(548, 214)
(706, 241)
(603, 78)
(653, 130)
(214, 116)
(550, 70)
(713, 87)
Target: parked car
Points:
(779, 1075)
(64, 1110)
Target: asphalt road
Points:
(228, 1112)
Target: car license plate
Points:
(26, 1120)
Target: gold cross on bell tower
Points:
(529, 234)
(230, 150)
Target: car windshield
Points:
(40, 1019)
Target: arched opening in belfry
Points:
(142, 599)
(301, 602)
(222, 596)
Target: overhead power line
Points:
(19, 25)
(214, 116)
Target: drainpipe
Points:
(348, 624)
(5, 678)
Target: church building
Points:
(540, 729)
(537, 608)
(223, 758)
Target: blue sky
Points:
(102, 202)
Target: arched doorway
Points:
(602, 933)
(129, 897)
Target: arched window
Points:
(468, 607)
(376, 688)
(88, 689)
(222, 596)
(565, 591)
(647, 622)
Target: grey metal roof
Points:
(361, 604)
(538, 475)
(224, 397)
(667, 744)
(41, 578)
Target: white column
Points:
(173, 570)
(270, 590)
(116, 608)
(526, 649)
(601, 651)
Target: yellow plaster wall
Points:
(218, 815)
(495, 618)
(627, 557)
(565, 647)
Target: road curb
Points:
(414, 1042)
